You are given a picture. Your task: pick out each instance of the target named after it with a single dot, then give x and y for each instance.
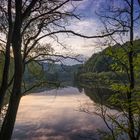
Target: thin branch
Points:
(3, 41)
(28, 9)
(47, 13)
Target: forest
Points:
(69, 70)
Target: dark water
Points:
(56, 115)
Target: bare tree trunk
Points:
(9, 121)
(4, 83)
(5, 74)
(8, 124)
(132, 78)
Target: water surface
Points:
(56, 115)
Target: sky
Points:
(89, 24)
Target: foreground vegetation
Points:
(105, 78)
(25, 22)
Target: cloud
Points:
(87, 25)
(74, 44)
(77, 44)
(91, 5)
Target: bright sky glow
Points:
(89, 24)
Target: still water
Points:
(56, 115)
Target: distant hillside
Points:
(64, 74)
(32, 75)
(100, 62)
(50, 75)
(100, 65)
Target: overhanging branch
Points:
(81, 35)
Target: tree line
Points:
(24, 23)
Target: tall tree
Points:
(42, 15)
(8, 31)
(124, 16)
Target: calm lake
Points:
(56, 115)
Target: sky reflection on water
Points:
(55, 115)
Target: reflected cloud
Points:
(40, 118)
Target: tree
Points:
(27, 15)
(123, 51)
(37, 17)
(124, 17)
(8, 31)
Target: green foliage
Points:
(113, 68)
(63, 74)
(112, 58)
(33, 72)
(97, 63)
